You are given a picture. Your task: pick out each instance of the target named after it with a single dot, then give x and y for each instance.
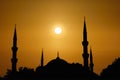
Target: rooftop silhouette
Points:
(60, 69)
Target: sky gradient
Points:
(36, 20)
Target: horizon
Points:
(35, 22)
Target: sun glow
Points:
(58, 30)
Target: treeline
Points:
(111, 72)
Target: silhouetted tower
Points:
(42, 59)
(91, 60)
(14, 52)
(85, 48)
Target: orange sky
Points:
(36, 19)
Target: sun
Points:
(58, 30)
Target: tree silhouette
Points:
(26, 73)
(112, 72)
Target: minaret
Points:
(42, 59)
(14, 52)
(91, 60)
(85, 47)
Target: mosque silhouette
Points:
(56, 69)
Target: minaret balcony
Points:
(85, 43)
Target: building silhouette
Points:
(59, 68)
(85, 52)
(56, 69)
(14, 52)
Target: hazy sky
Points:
(36, 20)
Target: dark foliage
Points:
(112, 72)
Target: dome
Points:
(57, 66)
(57, 62)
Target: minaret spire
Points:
(85, 47)
(84, 31)
(15, 37)
(42, 59)
(58, 55)
(91, 60)
(14, 51)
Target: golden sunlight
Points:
(58, 30)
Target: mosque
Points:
(59, 68)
